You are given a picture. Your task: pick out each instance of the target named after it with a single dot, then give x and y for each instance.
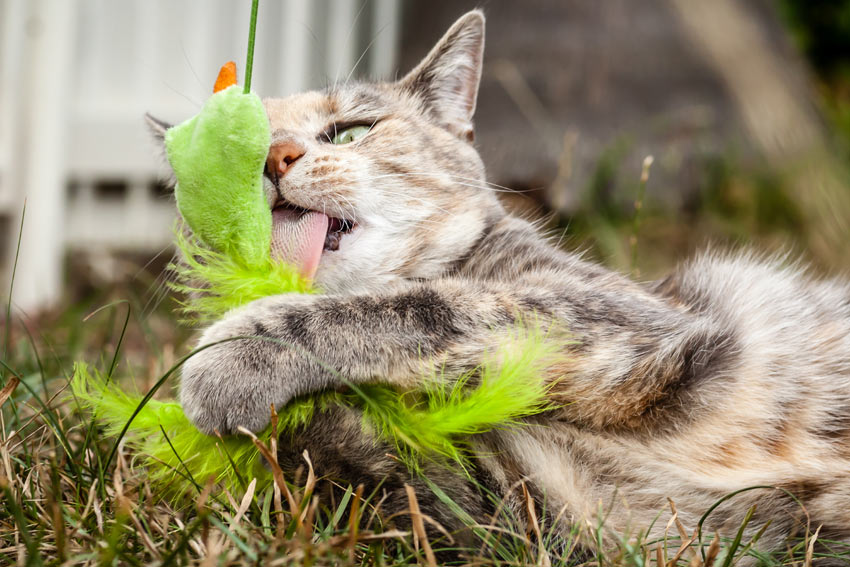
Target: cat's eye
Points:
(350, 134)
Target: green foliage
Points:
(822, 29)
(733, 204)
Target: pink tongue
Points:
(298, 238)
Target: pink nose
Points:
(282, 156)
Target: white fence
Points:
(76, 77)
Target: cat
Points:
(732, 372)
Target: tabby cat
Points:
(730, 373)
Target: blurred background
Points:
(743, 104)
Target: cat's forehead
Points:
(315, 109)
(299, 110)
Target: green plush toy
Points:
(218, 159)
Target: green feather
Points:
(213, 283)
(432, 423)
(438, 419)
(178, 463)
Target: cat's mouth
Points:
(299, 235)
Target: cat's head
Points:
(383, 178)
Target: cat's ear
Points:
(157, 127)
(447, 79)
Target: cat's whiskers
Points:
(341, 211)
(158, 288)
(348, 39)
(339, 207)
(349, 205)
(454, 180)
(476, 182)
(495, 187)
(422, 221)
(365, 51)
(420, 199)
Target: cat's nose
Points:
(281, 157)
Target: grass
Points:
(736, 204)
(71, 497)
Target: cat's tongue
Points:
(298, 238)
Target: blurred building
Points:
(568, 86)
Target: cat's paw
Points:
(248, 367)
(221, 388)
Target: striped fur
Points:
(732, 372)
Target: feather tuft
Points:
(432, 423)
(213, 282)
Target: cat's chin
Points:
(354, 267)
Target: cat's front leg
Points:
(291, 345)
(240, 368)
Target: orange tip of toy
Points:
(226, 77)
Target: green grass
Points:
(735, 204)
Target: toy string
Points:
(252, 34)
